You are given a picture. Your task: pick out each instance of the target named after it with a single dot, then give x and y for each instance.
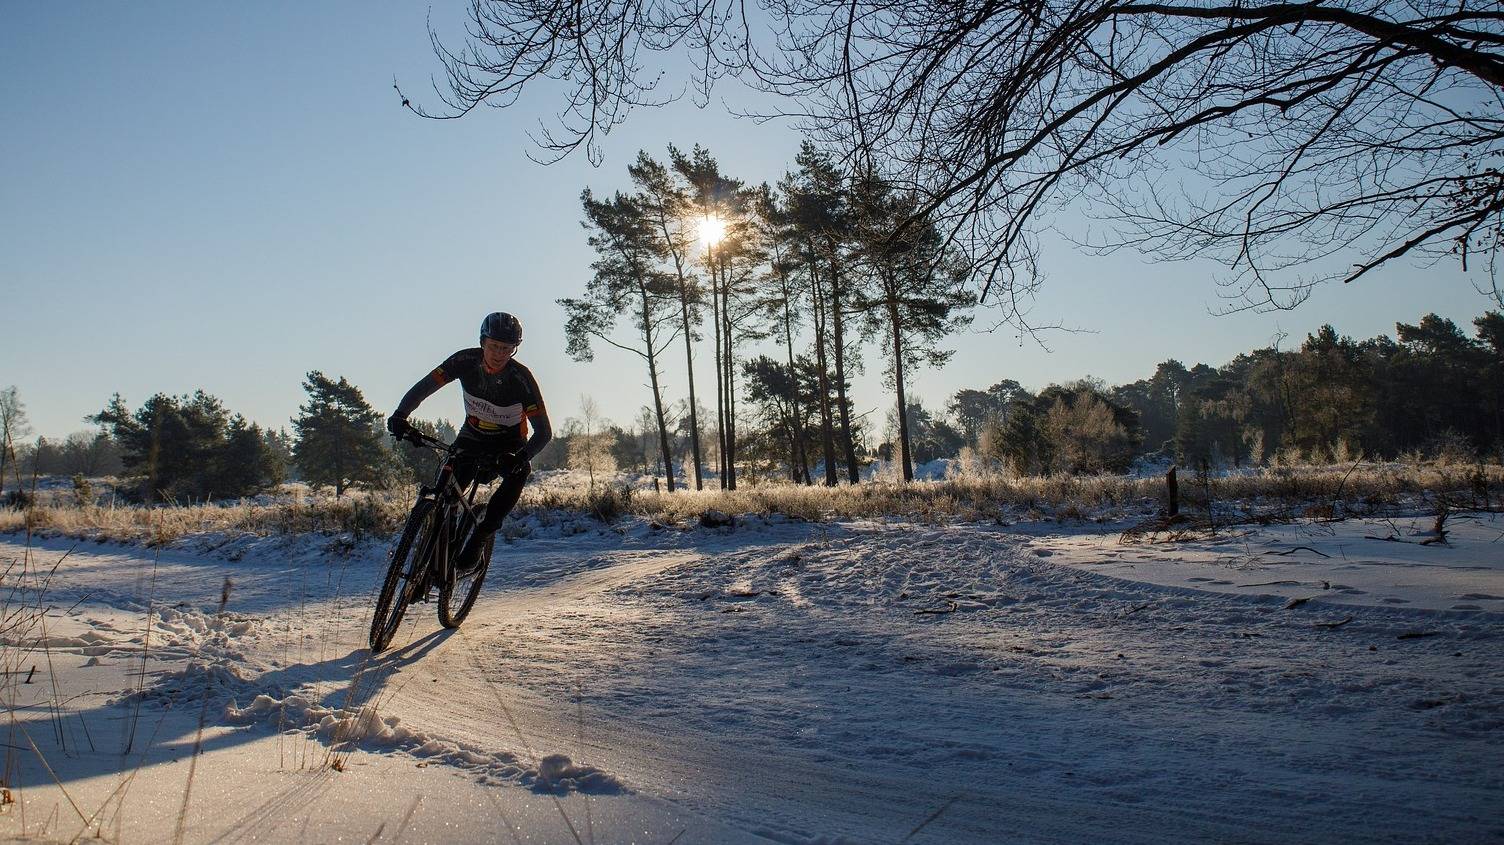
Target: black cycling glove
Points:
(515, 463)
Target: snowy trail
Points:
(785, 712)
(782, 793)
(792, 683)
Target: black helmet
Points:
(501, 326)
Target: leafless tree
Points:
(1296, 141)
(590, 439)
(13, 426)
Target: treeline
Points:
(1431, 388)
(819, 264)
(830, 265)
(191, 448)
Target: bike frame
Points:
(448, 494)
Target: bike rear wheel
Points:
(458, 595)
(409, 561)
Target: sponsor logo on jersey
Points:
(489, 415)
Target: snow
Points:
(772, 681)
(1352, 562)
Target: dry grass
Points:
(972, 498)
(1283, 491)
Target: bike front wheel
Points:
(409, 560)
(458, 594)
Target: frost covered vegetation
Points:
(1431, 393)
(1274, 494)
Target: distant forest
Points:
(1432, 390)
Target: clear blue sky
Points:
(225, 196)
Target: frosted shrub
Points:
(973, 463)
(1253, 441)
(1289, 456)
(1452, 449)
(609, 501)
(1086, 437)
(1346, 453)
(1286, 489)
(591, 454)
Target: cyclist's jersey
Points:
(497, 405)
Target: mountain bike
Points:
(424, 556)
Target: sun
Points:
(712, 230)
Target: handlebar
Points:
(418, 438)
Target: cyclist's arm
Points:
(542, 433)
(426, 387)
(536, 414)
(415, 396)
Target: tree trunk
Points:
(818, 316)
(668, 457)
(729, 358)
(840, 344)
(689, 363)
(689, 352)
(720, 377)
(903, 411)
(797, 455)
(647, 333)
(790, 411)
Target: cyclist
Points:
(502, 402)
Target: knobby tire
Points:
(467, 588)
(391, 602)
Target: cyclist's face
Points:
(497, 354)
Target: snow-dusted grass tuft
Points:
(1280, 492)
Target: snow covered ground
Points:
(771, 682)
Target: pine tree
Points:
(773, 389)
(1490, 328)
(189, 448)
(730, 263)
(913, 291)
(976, 411)
(338, 437)
(626, 283)
(244, 465)
(279, 451)
(781, 301)
(820, 218)
(667, 206)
